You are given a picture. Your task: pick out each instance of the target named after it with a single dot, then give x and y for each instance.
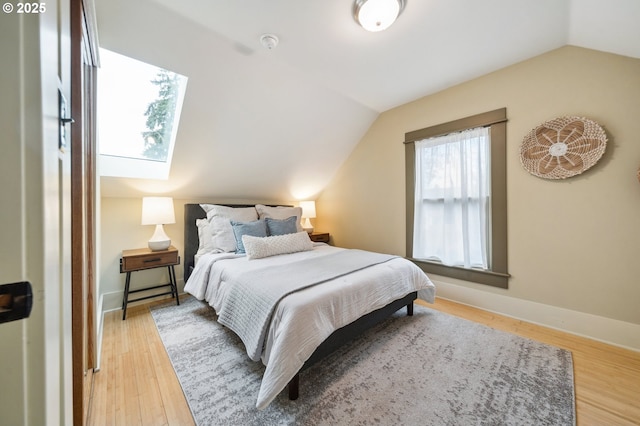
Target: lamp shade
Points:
(377, 15)
(308, 209)
(157, 211)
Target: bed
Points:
(309, 322)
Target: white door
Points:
(35, 353)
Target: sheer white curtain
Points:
(452, 191)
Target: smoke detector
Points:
(269, 41)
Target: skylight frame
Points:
(116, 165)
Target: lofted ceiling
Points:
(277, 124)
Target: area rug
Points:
(428, 369)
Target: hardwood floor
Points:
(137, 386)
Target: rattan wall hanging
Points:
(562, 147)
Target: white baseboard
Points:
(113, 300)
(100, 316)
(607, 330)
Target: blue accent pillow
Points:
(257, 228)
(281, 226)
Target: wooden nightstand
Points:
(320, 237)
(144, 258)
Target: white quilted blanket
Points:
(254, 294)
(304, 319)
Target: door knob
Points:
(16, 300)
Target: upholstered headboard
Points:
(192, 212)
(191, 241)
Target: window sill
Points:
(491, 278)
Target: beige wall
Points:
(121, 230)
(573, 244)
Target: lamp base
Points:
(307, 226)
(159, 245)
(159, 240)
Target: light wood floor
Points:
(136, 384)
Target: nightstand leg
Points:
(174, 283)
(125, 299)
(173, 287)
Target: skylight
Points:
(138, 113)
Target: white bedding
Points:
(324, 308)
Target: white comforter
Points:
(303, 320)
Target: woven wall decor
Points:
(562, 147)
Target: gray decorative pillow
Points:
(281, 226)
(257, 248)
(257, 228)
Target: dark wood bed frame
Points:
(338, 338)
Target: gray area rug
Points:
(429, 369)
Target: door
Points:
(35, 170)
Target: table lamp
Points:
(158, 211)
(308, 212)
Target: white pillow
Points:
(207, 207)
(259, 247)
(204, 237)
(280, 213)
(221, 234)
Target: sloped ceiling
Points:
(277, 124)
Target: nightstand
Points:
(320, 237)
(141, 259)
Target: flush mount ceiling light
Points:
(377, 15)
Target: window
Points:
(138, 113)
(451, 199)
(456, 198)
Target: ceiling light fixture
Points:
(377, 15)
(269, 41)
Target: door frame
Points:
(84, 61)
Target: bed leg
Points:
(410, 309)
(294, 386)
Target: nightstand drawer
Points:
(135, 260)
(320, 237)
